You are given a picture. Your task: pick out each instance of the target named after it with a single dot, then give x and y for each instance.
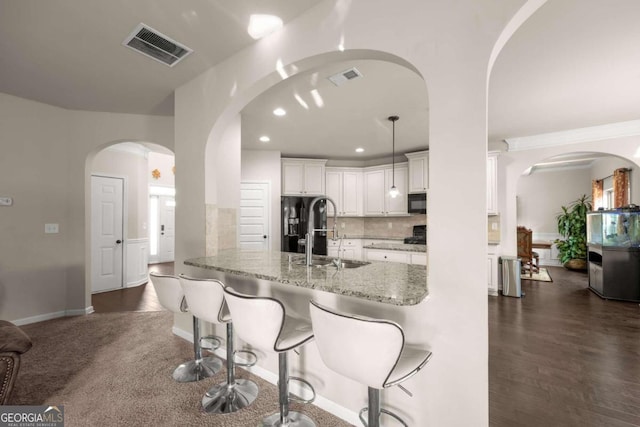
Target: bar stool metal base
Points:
(225, 398)
(374, 411)
(295, 419)
(285, 417)
(193, 371)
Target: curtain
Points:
(597, 190)
(621, 187)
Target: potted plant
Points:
(572, 226)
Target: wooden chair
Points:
(525, 251)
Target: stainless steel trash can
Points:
(510, 273)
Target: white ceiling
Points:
(575, 63)
(69, 52)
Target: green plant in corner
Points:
(572, 226)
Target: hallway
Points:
(138, 298)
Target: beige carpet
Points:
(114, 369)
(542, 276)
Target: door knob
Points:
(264, 236)
(118, 242)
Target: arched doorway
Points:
(127, 180)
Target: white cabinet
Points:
(303, 177)
(351, 249)
(344, 186)
(418, 258)
(390, 256)
(377, 182)
(492, 270)
(405, 257)
(418, 171)
(492, 183)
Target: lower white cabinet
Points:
(405, 257)
(492, 270)
(418, 258)
(391, 256)
(351, 249)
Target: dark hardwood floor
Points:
(562, 356)
(138, 298)
(558, 357)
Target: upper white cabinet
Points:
(344, 187)
(303, 177)
(418, 171)
(492, 182)
(377, 182)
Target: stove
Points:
(419, 236)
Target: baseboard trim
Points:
(54, 315)
(138, 282)
(321, 402)
(493, 292)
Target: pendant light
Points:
(393, 192)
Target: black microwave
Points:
(417, 203)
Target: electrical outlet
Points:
(494, 226)
(342, 225)
(390, 225)
(51, 228)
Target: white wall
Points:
(541, 195)
(165, 164)
(45, 166)
(264, 166)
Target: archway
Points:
(223, 151)
(122, 177)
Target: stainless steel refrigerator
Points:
(294, 224)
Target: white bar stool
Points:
(369, 351)
(206, 301)
(171, 297)
(263, 323)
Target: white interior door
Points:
(107, 202)
(166, 241)
(254, 216)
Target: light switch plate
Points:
(51, 228)
(6, 201)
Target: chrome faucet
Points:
(311, 231)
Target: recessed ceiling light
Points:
(265, 138)
(263, 25)
(279, 111)
(359, 150)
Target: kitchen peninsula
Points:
(386, 282)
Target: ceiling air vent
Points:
(156, 45)
(344, 76)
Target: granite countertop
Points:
(385, 282)
(397, 247)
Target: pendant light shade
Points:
(393, 192)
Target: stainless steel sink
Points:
(315, 262)
(328, 262)
(352, 264)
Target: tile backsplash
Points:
(493, 228)
(395, 227)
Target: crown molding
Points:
(575, 136)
